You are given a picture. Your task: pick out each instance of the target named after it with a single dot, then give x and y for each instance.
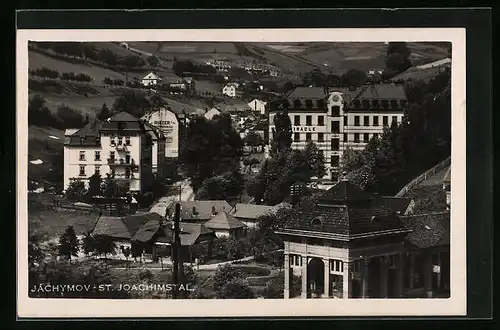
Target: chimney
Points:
(214, 212)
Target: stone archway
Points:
(315, 278)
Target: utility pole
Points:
(178, 273)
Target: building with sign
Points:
(352, 244)
(339, 118)
(120, 146)
(167, 122)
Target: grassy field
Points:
(55, 223)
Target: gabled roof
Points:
(428, 230)
(123, 116)
(151, 76)
(224, 221)
(112, 227)
(398, 204)
(127, 121)
(250, 211)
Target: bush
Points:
(45, 72)
(118, 82)
(108, 81)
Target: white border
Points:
(455, 305)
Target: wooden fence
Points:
(422, 177)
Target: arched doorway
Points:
(315, 278)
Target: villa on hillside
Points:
(151, 79)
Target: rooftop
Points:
(250, 211)
(203, 210)
(381, 92)
(306, 93)
(224, 221)
(190, 234)
(428, 230)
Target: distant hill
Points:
(424, 72)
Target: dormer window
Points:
(385, 104)
(394, 104)
(375, 104)
(97, 139)
(309, 104)
(214, 211)
(366, 104)
(321, 103)
(297, 104)
(357, 104)
(317, 222)
(82, 140)
(194, 211)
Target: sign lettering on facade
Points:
(167, 122)
(304, 128)
(436, 268)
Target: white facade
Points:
(258, 106)
(229, 90)
(334, 130)
(211, 113)
(83, 162)
(168, 124)
(151, 79)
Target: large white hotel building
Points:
(339, 118)
(123, 146)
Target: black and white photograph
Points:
(208, 170)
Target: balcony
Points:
(121, 162)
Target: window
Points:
(112, 155)
(82, 140)
(366, 121)
(296, 137)
(112, 172)
(335, 111)
(357, 266)
(335, 160)
(356, 137)
(97, 139)
(120, 141)
(296, 120)
(335, 127)
(375, 120)
(356, 120)
(335, 144)
(309, 104)
(336, 266)
(112, 141)
(316, 222)
(394, 119)
(345, 137)
(385, 104)
(127, 158)
(97, 170)
(385, 120)
(82, 155)
(375, 135)
(321, 103)
(127, 140)
(295, 260)
(321, 137)
(97, 155)
(346, 121)
(308, 120)
(297, 104)
(366, 137)
(308, 137)
(321, 120)
(82, 170)
(127, 172)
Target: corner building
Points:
(339, 118)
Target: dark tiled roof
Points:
(112, 227)
(428, 230)
(136, 221)
(123, 116)
(203, 209)
(88, 133)
(312, 93)
(382, 92)
(250, 211)
(124, 119)
(191, 233)
(348, 211)
(147, 231)
(347, 93)
(224, 221)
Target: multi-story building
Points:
(121, 146)
(340, 118)
(167, 121)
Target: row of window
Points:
(357, 120)
(335, 141)
(97, 156)
(335, 265)
(358, 104)
(97, 171)
(119, 141)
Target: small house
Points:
(224, 224)
(151, 79)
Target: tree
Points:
(253, 139)
(316, 159)
(153, 61)
(105, 113)
(104, 245)
(133, 102)
(236, 289)
(88, 244)
(157, 101)
(76, 190)
(95, 185)
(68, 243)
(111, 188)
(126, 252)
(224, 274)
(354, 78)
(282, 133)
(397, 59)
